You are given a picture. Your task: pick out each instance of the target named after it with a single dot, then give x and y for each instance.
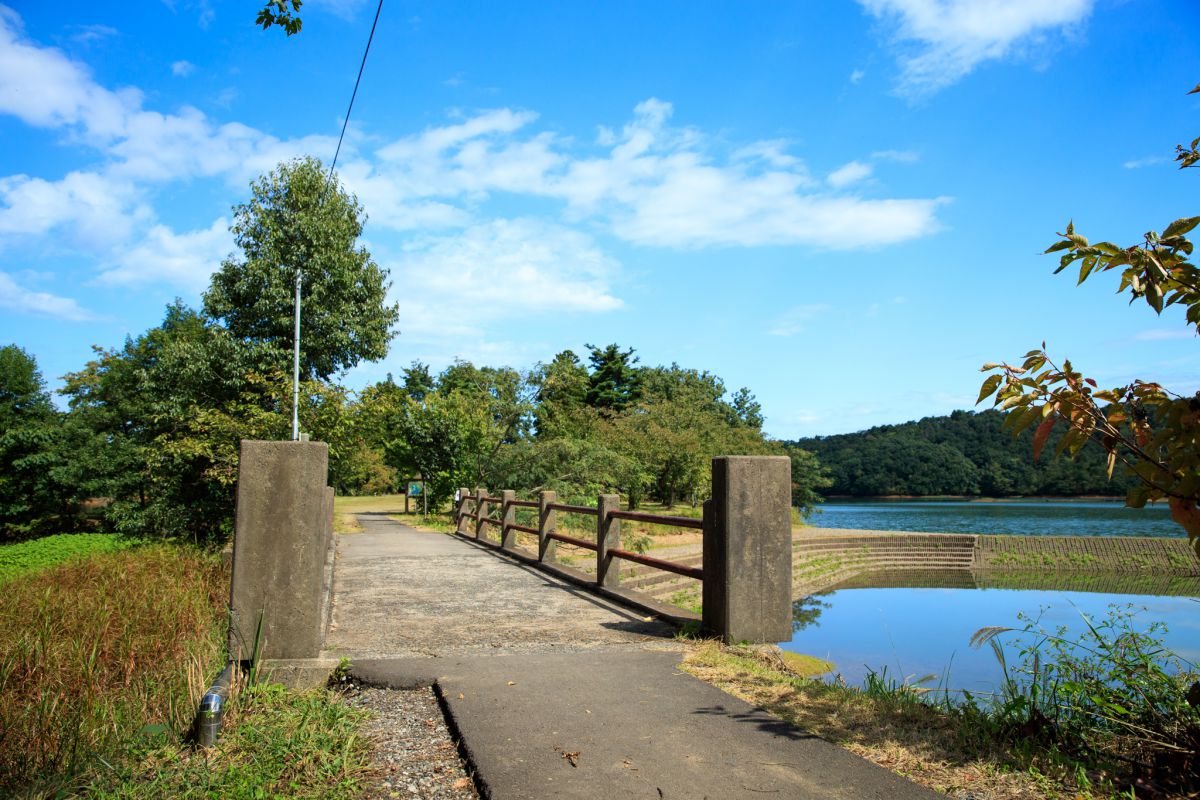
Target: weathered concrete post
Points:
(547, 524)
(748, 549)
(281, 550)
(608, 535)
(330, 553)
(508, 515)
(481, 510)
(464, 497)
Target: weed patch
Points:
(98, 653)
(22, 557)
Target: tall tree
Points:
(614, 384)
(562, 387)
(300, 220)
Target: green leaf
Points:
(989, 386)
(1181, 226)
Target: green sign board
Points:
(414, 490)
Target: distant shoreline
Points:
(970, 498)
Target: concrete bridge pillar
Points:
(748, 550)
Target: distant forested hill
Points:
(963, 454)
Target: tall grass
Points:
(97, 653)
(17, 559)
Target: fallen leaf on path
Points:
(572, 756)
(462, 783)
(462, 696)
(512, 683)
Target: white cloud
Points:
(181, 69)
(14, 297)
(1164, 334)
(96, 211)
(857, 75)
(88, 34)
(1138, 163)
(796, 319)
(163, 257)
(901, 156)
(944, 40)
(850, 173)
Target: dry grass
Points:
(95, 651)
(904, 735)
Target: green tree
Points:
(164, 415)
(32, 499)
(1154, 433)
(614, 383)
(417, 381)
(562, 388)
(300, 220)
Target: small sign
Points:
(414, 490)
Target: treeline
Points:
(149, 445)
(965, 453)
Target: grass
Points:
(102, 662)
(890, 725)
(22, 557)
(98, 652)
(276, 744)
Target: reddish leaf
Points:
(1041, 434)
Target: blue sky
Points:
(839, 204)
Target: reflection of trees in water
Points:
(806, 610)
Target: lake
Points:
(1019, 517)
(868, 629)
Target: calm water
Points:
(921, 631)
(1022, 517)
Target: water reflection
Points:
(919, 622)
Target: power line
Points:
(354, 94)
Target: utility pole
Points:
(296, 367)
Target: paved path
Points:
(555, 693)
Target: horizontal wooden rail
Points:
(659, 519)
(487, 499)
(572, 509)
(586, 545)
(470, 516)
(524, 503)
(523, 529)
(491, 520)
(658, 563)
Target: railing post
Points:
(608, 535)
(748, 550)
(481, 510)
(547, 524)
(508, 517)
(464, 497)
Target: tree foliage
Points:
(1152, 432)
(277, 13)
(33, 496)
(300, 220)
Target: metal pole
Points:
(296, 368)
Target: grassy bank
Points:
(102, 661)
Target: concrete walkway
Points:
(557, 693)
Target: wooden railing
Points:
(747, 544)
(606, 545)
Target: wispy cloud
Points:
(942, 41)
(1138, 163)
(795, 320)
(850, 173)
(1164, 334)
(857, 75)
(182, 69)
(87, 34)
(164, 257)
(20, 300)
